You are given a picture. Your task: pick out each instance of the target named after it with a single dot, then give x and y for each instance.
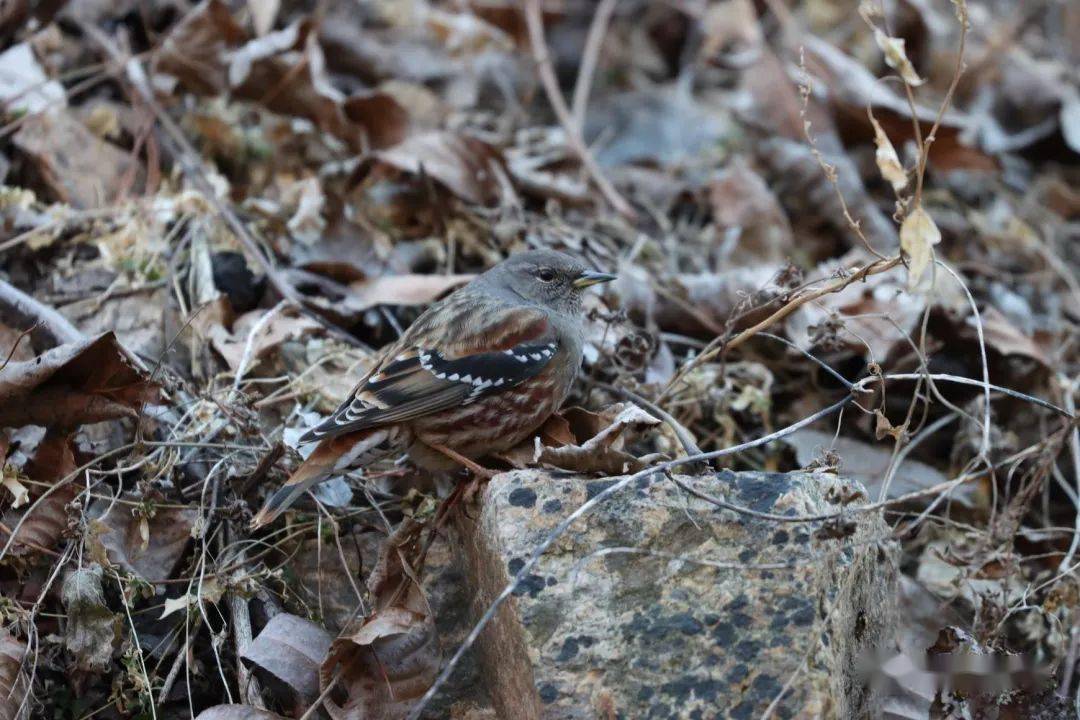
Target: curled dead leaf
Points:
(270, 330)
(918, 236)
(285, 71)
(153, 557)
(208, 591)
(597, 441)
(888, 161)
(92, 629)
(43, 526)
(14, 684)
(76, 383)
(1004, 337)
(10, 480)
(291, 649)
(409, 290)
(465, 165)
(896, 57)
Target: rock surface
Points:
(659, 604)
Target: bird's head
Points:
(545, 277)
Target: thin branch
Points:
(19, 310)
(718, 345)
(535, 21)
(593, 42)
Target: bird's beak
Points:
(589, 277)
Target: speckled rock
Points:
(661, 605)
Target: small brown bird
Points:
(477, 373)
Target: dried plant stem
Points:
(535, 21)
(137, 647)
(247, 683)
(1068, 391)
(17, 309)
(719, 345)
(924, 144)
(593, 42)
(178, 662)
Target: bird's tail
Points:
(331, 457)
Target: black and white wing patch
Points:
(422, 381)
(488, 372)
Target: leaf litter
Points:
(805, 181)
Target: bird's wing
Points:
(472, 351)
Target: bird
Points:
(475, 374)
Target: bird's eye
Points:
(545, 274)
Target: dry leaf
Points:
(14, 685)
(1069, 118)
(918, 236)
(77, 383)
(10, 480)
(92, 629)
(408, 290)
(282, 326)
(883, 428)
(600, 438)
(463, 164)
(307, 223)
(1004, 337)
(53, 460)
(896, 57)
(263, 14)
(210, 590)
(24, 86)
(291, 649)
(888, 161)
(742, 203)
(78, 167)
(210, 53)
(393, 656)
(168, 534)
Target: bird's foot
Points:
(472, 488)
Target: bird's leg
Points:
(477, 470)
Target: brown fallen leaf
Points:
(742, 203)
(408, 290)
(210, 53)
(291, 649)
(1007, 339)
(150, 547)
(465, 165)
(77, 383)
(324, 577)
(392, 657)
(45, 524)
(14, 684)
(270, 332)
(78, 167)
(599, 439)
